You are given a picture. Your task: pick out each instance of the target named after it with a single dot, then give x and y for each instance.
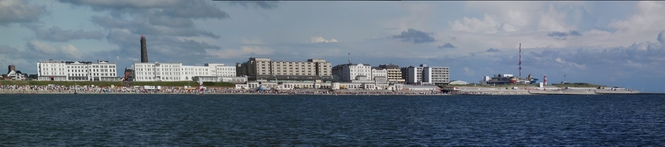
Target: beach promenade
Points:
(34, 89)
(16, 89)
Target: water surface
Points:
(263, 120)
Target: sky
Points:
(607, 43)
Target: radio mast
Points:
(520, 61)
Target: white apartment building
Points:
(436, 75)
(380, 75)
(157, 71)
(353, 72)
(52, 70)
(424, 74)
(219, 69)
(178, 72)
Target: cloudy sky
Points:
(608, 43)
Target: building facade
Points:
(353, 72)
(380, 75)
(263, 69)
(394, 73)
(52, 70)
(412, 74)
(436, 75)
(424, 74)
(178, 72)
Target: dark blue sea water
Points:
(261, 120)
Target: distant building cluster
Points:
(255, 72)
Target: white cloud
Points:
(570, 64)
(320, 39)
(72, 51)
(19, 11)
(553, 20)
(244, 40)
(42, 47)
(468, 71)
(419, 15)
(244, 51)
(488, 25)
(510, 16)
(649, 16)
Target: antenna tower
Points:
(520, 60)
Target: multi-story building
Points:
(436, 75)
(178, 72)
(103, 71)
(263, 69)
(394, 73)
(157, 71)
(353, 72)
(51, 70)
(76, 71)
(219, 69)
(424, 74)
(380, 75)
(412, 74)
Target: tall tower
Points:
(11, 68)
(520, 60)
(144, 50)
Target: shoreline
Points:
(350, 92)
(461, 90)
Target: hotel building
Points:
(394, 73)
(424, 74)
(210, 72)
(263, 69)
(52, 70)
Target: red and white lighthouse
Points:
(545, 79)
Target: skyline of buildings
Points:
(261, 69)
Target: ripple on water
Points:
(238, 120)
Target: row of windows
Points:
(94, 74)
(52, 65)
(161, 65)
(175, 73)
(52, 73)
(162, 78)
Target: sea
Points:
(328, 120)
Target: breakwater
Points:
(541, 91)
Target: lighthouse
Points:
(144, 50)
(545, 79)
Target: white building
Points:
(458, 82)
(380, 75)
(16, 75)
(76, 71)
(178, 72)
(353, 72)
(436, 75)
(424, 74)
(157, 71)
(103, 71)
(219, 69)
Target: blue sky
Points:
(608, 43)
